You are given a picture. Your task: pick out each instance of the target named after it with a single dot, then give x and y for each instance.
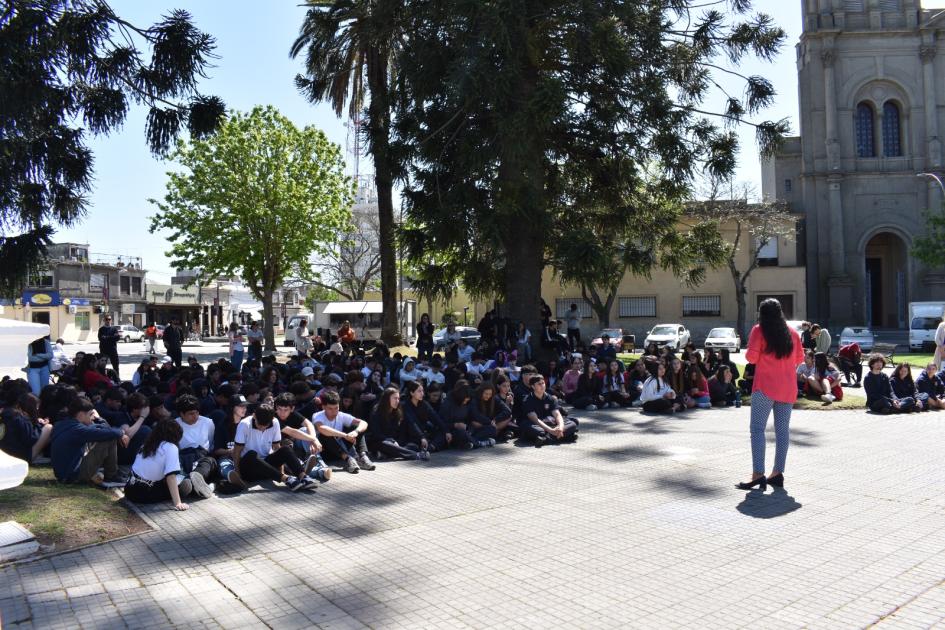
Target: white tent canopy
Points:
(15, 336)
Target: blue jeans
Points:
(237, 360)
(38, 378)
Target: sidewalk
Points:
(636, 525)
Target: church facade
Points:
(872, 105)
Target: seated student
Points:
(824, 382)
(433, 373)
(851, 363)
(551, 338)
(542, 422)
(804, 371)
(456, 413)
(196, 445)
(155, 473)
(586, 394)
(678, 379)
(930, 383)
(408, 372)
(423, 414)
(695, 360)
(658, 396)
(304, 436)
(635, 378)
(503, 394)
(258, 452)
(344, 434)
(225, 423)
(726, 358)
(80, 447)
(434, 396)
(698, 385)
(569, 380)
(476, 364)
(112, 410)
(904, 387)
(393, 435)
(880, 397)
(722, 390)
(711, 360)
(491, 417)
(606, 352)
(746, 385)
(613, 389)
(23, 433)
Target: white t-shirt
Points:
(434, 377)
(198, 434)
(255, 335)
(478, 368)
(465, 354)
(257, 440)
(940, 334)
(165, 461)
(236, 341)
(341, 420)
(574, 320)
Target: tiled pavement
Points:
(636, 525)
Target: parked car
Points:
(616, 338)
(719, 338)
(130, 333)
(470, 334)
(858, 334)
(673, 335)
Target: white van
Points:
(924, 318)
(293, 323)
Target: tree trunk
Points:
(379, 130)
(742, 311)
(523, 279)
(269, 332)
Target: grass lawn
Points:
(66, 516)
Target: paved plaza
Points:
(636, 525)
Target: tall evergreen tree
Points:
(519, 116)
(350, 50)
(68, 67)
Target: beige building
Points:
(872, 109)
(640, 303)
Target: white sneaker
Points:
(591, 408)
(201, 487)
(614, 405)
(637, 403)
(828, 398)
(351, 466)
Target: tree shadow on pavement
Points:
(686, 485)
(760, 505)
(628, 452)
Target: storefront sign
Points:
(71, 301)
(41, 298)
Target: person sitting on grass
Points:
(804, 371)
(930, 382)
(657, 395)
(722, 390)
(542, 422)
(880, 397)
(155, 473)
(23, 433)
(824, 381)
(391, 434)
(80, 447)
(904, 387)
(343, 433)
(851, 363)
(112, 410)
(258, 452)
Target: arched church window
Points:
(865, 138)
(892, 130)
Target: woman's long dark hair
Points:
(384, 408)
(778, 338)
(164, 431)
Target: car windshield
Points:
(613, 333)
(925, 323)
(663, 330)
(721, 332)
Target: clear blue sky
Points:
(254, 68)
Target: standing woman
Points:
(775, 350)
(424, 338)
(523, 344)
(236, 346)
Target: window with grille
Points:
(853, 5)
(125, 283)
(865, 139)
(41, 278)
(563, 305)
(889, 5)
(642, 306)
(892, 145)
(136, 286)
(701, 305)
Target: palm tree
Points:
(348, 43)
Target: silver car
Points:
(858, 334)
(130, 333)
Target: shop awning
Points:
(344, 308)
(373, 307)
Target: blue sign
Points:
(72, 301)
(41, 298)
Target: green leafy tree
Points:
(349, 48)
(520, 117)
(74, 67)
(256, 200)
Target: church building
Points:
(872, 101)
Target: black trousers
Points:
(176, 354)
(660, 405)
(574, 338)
(112, 354)
(532, 432)
(157, 492)
(199, 461)
(334, 446)
(255, 468)
(391, 448)
(849, 367)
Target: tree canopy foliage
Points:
(255, 200)
(69, 68)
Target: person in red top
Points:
(851, 362)
(775, 349)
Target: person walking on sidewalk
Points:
(775, 349)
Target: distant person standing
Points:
(173, 340)
(150, 336)
(939, 344)
(255, 337)
(303, 339)
(775, 350)
(424, 338)
(574, 327)
(108, 337)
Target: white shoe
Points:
(201, 487)
(591, 408)
(828, 398)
